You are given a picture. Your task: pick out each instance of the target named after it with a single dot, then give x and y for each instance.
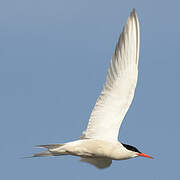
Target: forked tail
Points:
(50, 152)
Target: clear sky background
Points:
(53, 61)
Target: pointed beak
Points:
(144, 155)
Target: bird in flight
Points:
(99, 143)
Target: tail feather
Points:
(42, 154)
(49, 146)
(50, 151)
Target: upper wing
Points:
(118, 92)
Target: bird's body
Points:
(99, 144)
(91, 148)
(97, 152)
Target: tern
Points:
(99, 143)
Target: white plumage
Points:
(118, 92)
(99, 144)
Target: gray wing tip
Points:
(134, 14)
(134, 10)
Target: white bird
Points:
(99, 144)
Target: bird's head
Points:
(135, 151)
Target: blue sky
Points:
(53, 61)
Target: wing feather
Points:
(98, 162)
(118, 92)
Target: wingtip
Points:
(133, 12)
(134, 16)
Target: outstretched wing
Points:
(118, 92)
